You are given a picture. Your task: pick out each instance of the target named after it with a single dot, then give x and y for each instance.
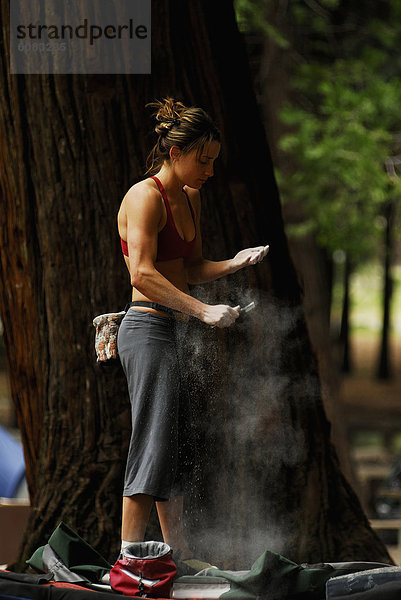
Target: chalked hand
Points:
(220, 315)
(249, 256)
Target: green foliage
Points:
(340, 140)
(343, 114)
(342, 124)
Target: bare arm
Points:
(202, 270)
(144, 214)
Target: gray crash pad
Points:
(374, 584)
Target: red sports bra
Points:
(170, 244)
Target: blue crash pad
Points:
(12, 464)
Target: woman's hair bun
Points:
(168, 113)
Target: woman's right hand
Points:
(220, 315)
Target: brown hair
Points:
(176, 125)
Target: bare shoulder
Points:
(142, 198)
(142, 194)
(141, 204)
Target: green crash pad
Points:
(76, 554)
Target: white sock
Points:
(124, 544)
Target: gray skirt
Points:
(160, 456)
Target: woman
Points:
(159, 226)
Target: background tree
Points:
(268, 474)
(384, 366)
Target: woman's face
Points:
(195, 168)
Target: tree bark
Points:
(268, 475)
(384, 368)
(345, 329)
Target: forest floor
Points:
(362, 387)
(371, 409)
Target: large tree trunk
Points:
(268, 476)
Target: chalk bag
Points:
(145, 569)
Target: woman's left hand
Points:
(249, 256)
